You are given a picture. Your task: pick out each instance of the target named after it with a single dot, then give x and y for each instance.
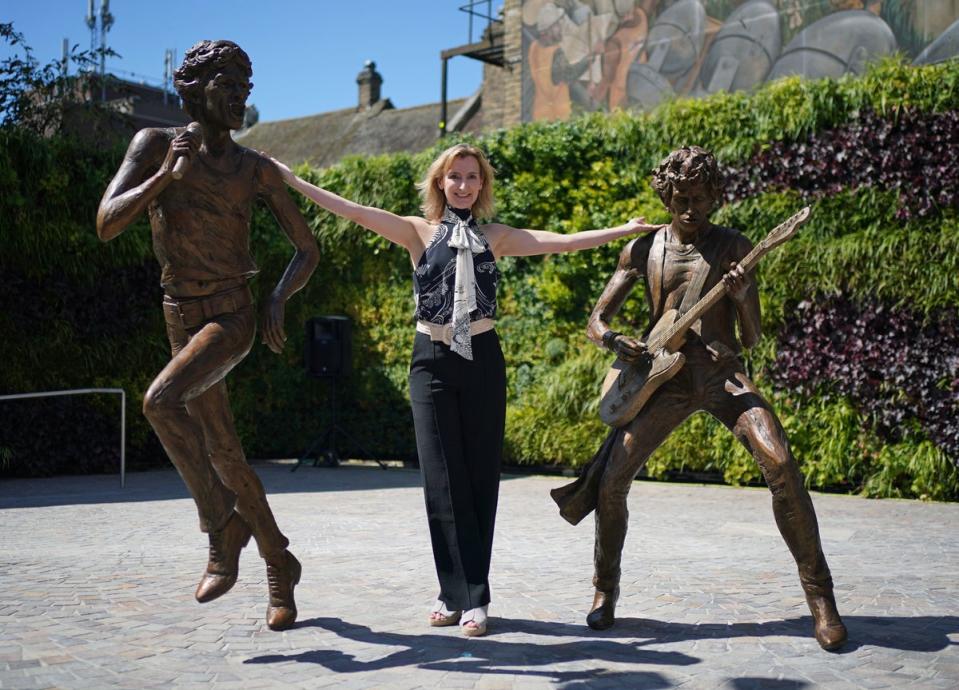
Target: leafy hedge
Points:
(589, 172)
(902, 373)
(903, 153)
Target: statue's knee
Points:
(618, 476)
(628, 442)
(774, 475)
(155, 404)
(766, 440)
(781, 472)
(611, 497)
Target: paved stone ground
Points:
(96, 591)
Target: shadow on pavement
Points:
(452, 652)
(914, 634)
(760, 683)
(165, 484)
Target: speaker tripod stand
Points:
(323, 448)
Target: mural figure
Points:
(943, 48)
(679, 263)
(198, 188)
(676, 39)
(575, 50)
(841, 43)
(624, 48)
(744, 50)
(583, 55)
(550, 68)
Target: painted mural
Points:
(583, 55)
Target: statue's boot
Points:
(830, 630)
(282, 575)
(224, 563)
(602, 615)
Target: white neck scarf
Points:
(465, 240)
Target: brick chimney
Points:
(369, 81)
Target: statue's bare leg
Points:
(188, 406)
(225, 454)
(201, 359)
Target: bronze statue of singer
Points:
(677, 263)
(198, 187)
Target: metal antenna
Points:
(167, 74)
(106, 21)
(92, 25)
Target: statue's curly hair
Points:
(688, 165)
(200, 63)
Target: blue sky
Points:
(306, 54)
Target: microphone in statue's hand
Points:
(183, 162)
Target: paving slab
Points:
(96, 591)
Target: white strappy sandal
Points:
(478, 618)
(441, 616)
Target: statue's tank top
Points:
(201, 225)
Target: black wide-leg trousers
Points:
(459, 416)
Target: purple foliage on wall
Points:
(895, 368)
(913, 152)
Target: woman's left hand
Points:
(639, 226)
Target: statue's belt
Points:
(195, 311)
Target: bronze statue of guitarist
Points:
(679, 263)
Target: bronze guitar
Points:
(628, 385)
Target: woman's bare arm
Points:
(508, 241)
(402, 230)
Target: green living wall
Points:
(77, 313)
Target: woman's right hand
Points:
(635, 226)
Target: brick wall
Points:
(502, 86)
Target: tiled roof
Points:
(323, 139)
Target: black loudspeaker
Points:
(329, 346)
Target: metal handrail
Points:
(470, 9)
(81, 391)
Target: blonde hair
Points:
(434, 201)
